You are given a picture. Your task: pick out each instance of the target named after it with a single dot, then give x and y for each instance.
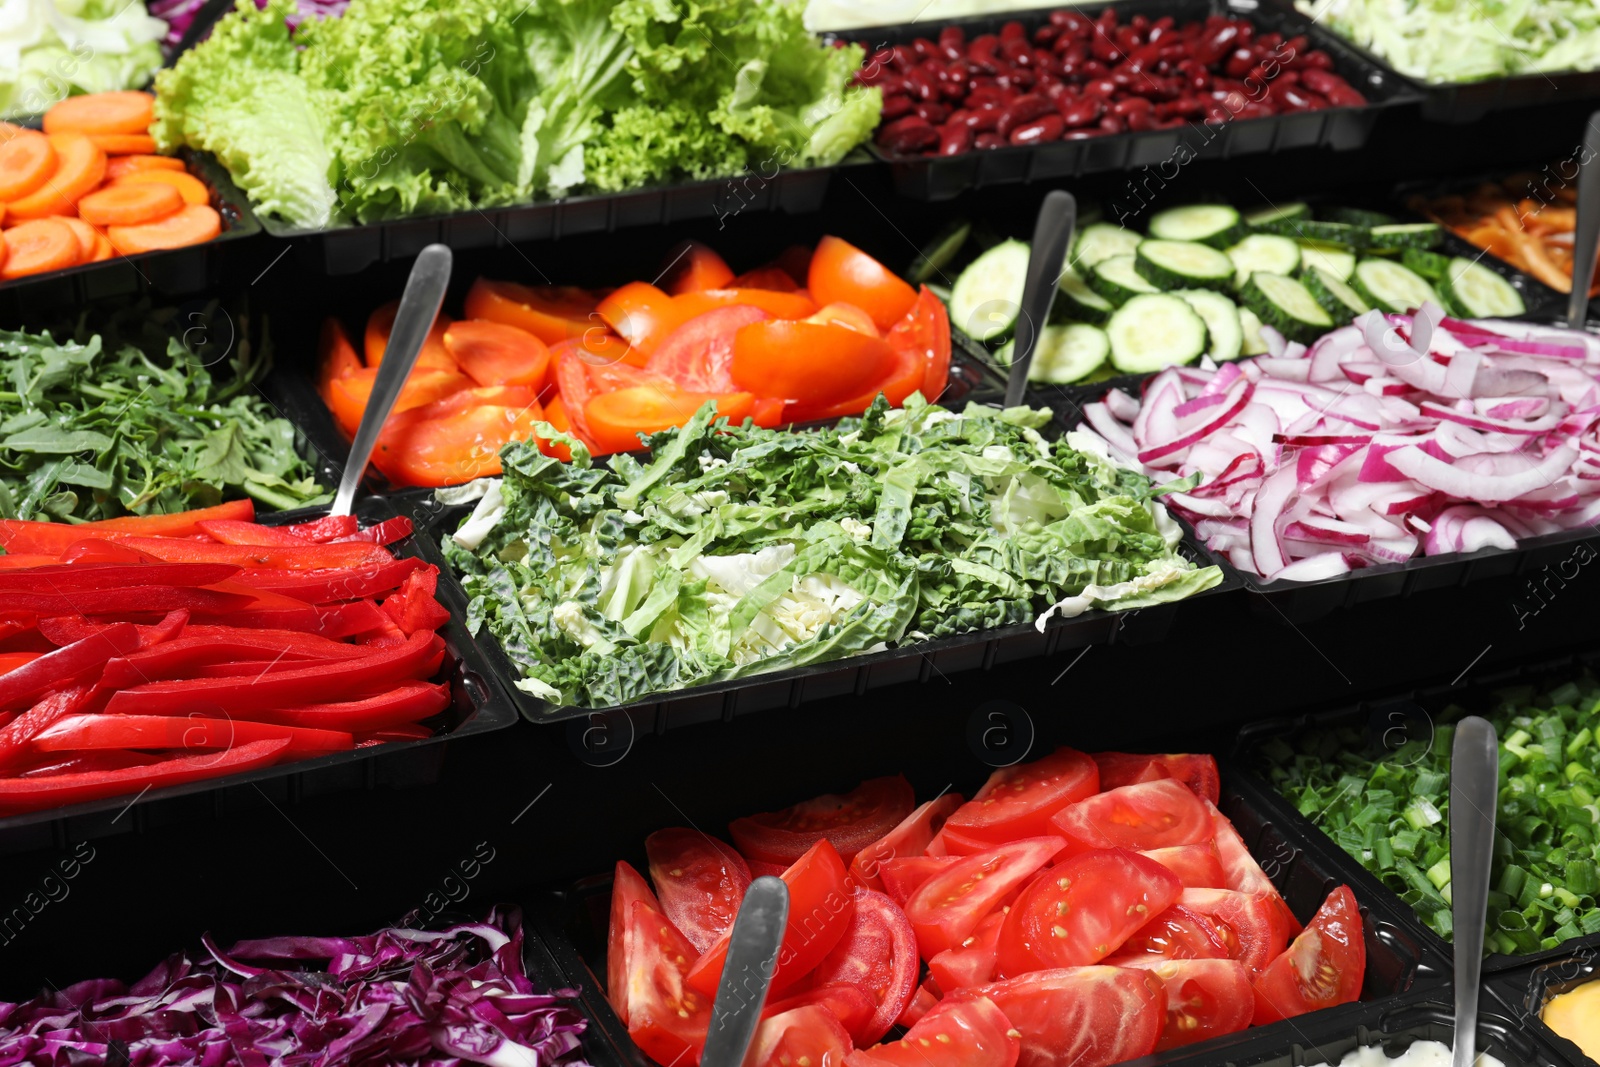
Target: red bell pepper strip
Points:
(180, 524)
(413, 608)
(49, 537)
(15, 735)
(132, 599)
(419, 657)
(253, 668)
(10, 661)
(182, 658)
(59, 668)
(406, 732)
(327, 528)
(79, 732)
(25, 794)
(91, 761)
(65, 629)
(325, 586)
(75, 577)
(386, 532)
(232, 532)
(94, 550)
(405, 703)
(349, 619)
(19, 560)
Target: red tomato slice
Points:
(1205, 998)
(348, 395)
(1325, 965)
(904, 378)
(768, 412)
(1198, 771)
(904, 875)
(434, 354)
(851, 1005)
(1018, 801)
(336, 356)
(841, 271)
(1197, 866)
(552, 313)
(456, 439)
(691, 267)
(616, 419)
(808, 1034)
(847, 315)
(1081, 1016)
(775, 278)
(1250, 924)
(698, 354)
(1081, 910)
(701, 882)
(967, 1033)
(878, 954)
(953, 842)
(796, 305)
(492, 353)
(1178, 933)
(627, 886)
(924, 336)
(666, 1018)
(851, 821)
(950, 905)
(1241, 870)
(972, 962)
(643, 315)
(926, 999)
(806, 362)
(820, 908)
(1145, 816)
(910, 838)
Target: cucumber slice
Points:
(1225, 336)
(1330, 259)
(1118, 281)
(1277, 213)
(1217, 225)
(1152, 331)
(938, 253)
(1356, 216)
(1076, 302)
(987, 296)
(1263, 251)
(1253, 344)
(1329, 233)
(1286, 305)
(1386, 284)
(1405, 235)
(1065, 354)
(1101, 241)
(1431, 265)
(1182, 264)
(1479, 291)
(1337, 298)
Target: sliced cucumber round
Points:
(1101, 241)
(1065, 354)
(1252, 344)
(1336, 296)
(1263, 251)
(1355, 216)
(1118, 281)
(1076, 302)
(1225, 335)
(1152, 331)
(1328, 258)
(1479, 292)
(1404, 235)
(1331, 233)
(939, 252)
(1217, 225)
(1431, 265)
(1386, 284)
(1182, 264)
(987, 296)
(1274, 213)
(1286, 305)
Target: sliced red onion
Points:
(1465, 485)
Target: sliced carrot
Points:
(102, 248)
(26, 161)
(129, 204)
(191, 225)
(9, 130)
(117, 166)
(118, 112)
(39, 245)
(88, 237)
(125, 144)
(79, 167)
(193, 190)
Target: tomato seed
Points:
(943, 1039)
(1059, 931)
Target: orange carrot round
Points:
(79, 167)
(118, 166)
(9, 130)
(102, 248)
(192, 189)
(38, 246)
(118, 112)
(191, 225)
(27, 160)
(124, 144)
(86, 234)
(129, 204)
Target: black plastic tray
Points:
(1525, 993)
(572, 925)
(1341, 128)
(477, 707)
(1379, 712)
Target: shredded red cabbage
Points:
(179, 14)
(398, 996)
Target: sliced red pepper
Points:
(407, 732)
(64, 665)
(324, 586)
(419, 657)
(65, 629)
(165, 630)
(181, 524)
(349, 620)
(232, 532)
(18, 560)
(129, 600)
(25, 794)
(10, 661)
(326, 528)
(296, 558)
(91, 761)
(203, 645)
(414, 608)
(15, 735)
(386, 532)
(255, 668)
(78, 732)
(405, 703)
(80, 577)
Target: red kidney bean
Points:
(1255, 110)
(981, 52)
(1044, 128)
(1103, 48)
(1013, 31)
(1126, 39)
(934, 114)
(1015, 78)
(895, 106)
(1046, 35)
(907, 135)
(1112, 124)
(1300, 98)
(1214, 44)
(1023, 109)
(1073, 56)
(924, 48)
(1069, 21)
(1093, 68)
(966, 116)
(953, 42)
(1140, 24)
(1239, 63)
(1017, 52)
(1140, 121)
(919, 85)
(1080, 135)
(984, 96)
(955, 138)
(1187, 107)
(1130, 106)
(1104, 88)
(1082, 112)
(1315, 61)
(904, 57)
(988, 140)
(985, 120)
(880, 59)
(1321, 81)
(1055, 91)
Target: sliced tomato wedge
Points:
(492, 353)
(1149, 815)
(972, 962)
(458, 438)
(1324, 966)
(926, 999)
(1197, 771)
(701, 882)
(839, 271)
(692, 266)
(666, 1018)
(851, 1005)
(1205, 998)
(1197, 866)
(1240, 869)
(617, 418)
(348, 395)
(808, 1034)
(810, 363)
(1250, 924)
(795, 305)
(697, 355)
(903, 379)
(336, 356)
(847, 315)
(923, 337)
(910, 838)
(967, 1033)
(820, 909)
(434, 355)
(904, 875)
(1081, 910)
(1018, 801)
(552, 313)
(774, 278)
(643, 315)
(627, 887)
(851, 821)
(952, 841)
(1080, 1016)
(877, 954)
(1179, 933)
(950, 905)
